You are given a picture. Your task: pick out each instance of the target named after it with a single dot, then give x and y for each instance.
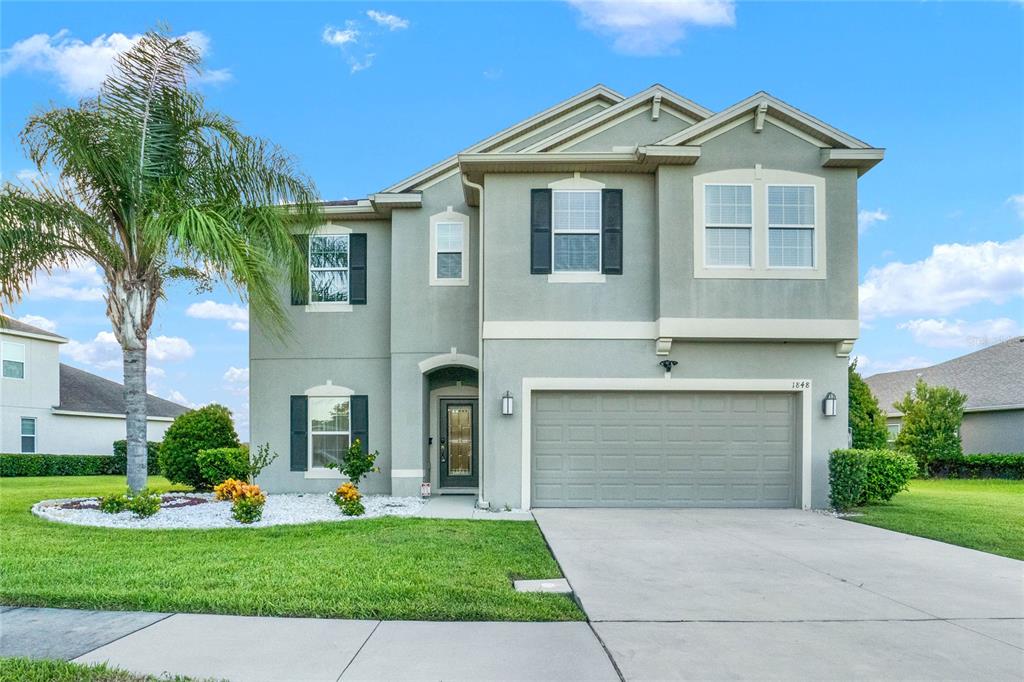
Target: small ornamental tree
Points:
(931, 423)
(206, 428)
(867, 421)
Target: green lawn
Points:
(985, 514)
(26, 670)
(390, 568)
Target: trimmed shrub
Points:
(931, 423)
(152, 455)
(220, 464)
(113, 504)
(847, 476)
(205, 428)
(993, 465)
(888, 473)
(144, 503)
(247, 506)
(12, 465)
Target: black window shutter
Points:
(611, 231)
(299, 442)
(540, 231)
(360, 420)
(357, 269)
(300, 277)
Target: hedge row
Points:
(994, 465)
(12, 465)
(857, 477)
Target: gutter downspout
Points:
(481, 501)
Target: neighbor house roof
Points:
(991, 378)
(9, 325)
(81, 391)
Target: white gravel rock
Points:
(279, 510)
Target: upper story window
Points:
(329, 430)
(729, 222)
(12, 358)
(576, 230)
(329, 268)
(28, 434)
(790, 226)
(449, 249)
(759, 223)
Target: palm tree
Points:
(151, 186)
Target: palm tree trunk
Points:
(135, 415)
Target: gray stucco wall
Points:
(507, 362)
(1002, 431)
(638, 129)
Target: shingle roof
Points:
(13, 325)
(991, 377)
(81, 391)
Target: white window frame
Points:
(24, 359)
(750, 226)
(329, 306)
(327, 390)
(449, 216)
(555, 231)
(760, 179)
(782, 226)
(34, 435)
(893, 432)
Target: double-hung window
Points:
(450, 245)
(330, 430)
(28, 435)
(790, 226)
(728, 225)
(12, 357)
(329, 268)
(576, 230)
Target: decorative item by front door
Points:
(457, 447)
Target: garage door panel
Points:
(664, 449)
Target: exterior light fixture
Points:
(668, 365)
(507, 404)
(828, 405)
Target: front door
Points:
(457, 446)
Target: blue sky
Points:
(365, 94)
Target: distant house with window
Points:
(993, 381)
(49, 407)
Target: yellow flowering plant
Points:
(247, 499)
(348, 498)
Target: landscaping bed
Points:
(382, 568)
(202, 510)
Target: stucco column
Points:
(407, 432)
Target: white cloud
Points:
(153, 372)
(944, 333)
(339, 37)
(650, 27)
(1017, 200)
(39, 321)
(952, 277)
(81, 282)
(234, 314)
(80, 67)
(865, 219)
(104, 352)
(27, 175)
(493, 74)
(236, 380)
(880, 366)
(175, 396)
(388, 21)
(361, 64)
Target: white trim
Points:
(450, 217)
(447, 360)
(590, 231)
(328, 307)
(994, 408)
(103, 415)
(801, 387)
(34, 435)
(24, 360)
(32, 335)
(329, 229)
(751, 328)
(329, 390)
(576, 182)
(760, 179)
(324, 473)
(407, 473)
(562, 329)
(434, 415)
(574, 277)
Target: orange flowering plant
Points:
(247, 499)
(348, 498)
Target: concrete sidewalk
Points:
(255, 648)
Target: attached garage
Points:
(591, 448)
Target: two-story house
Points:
(620, 301)
(52, 408)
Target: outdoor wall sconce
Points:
(828, 405)
(668, 365)
(507, 404)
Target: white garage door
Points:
(672, 449)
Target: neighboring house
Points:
(501, 323)
(49, 407)
(993, 381)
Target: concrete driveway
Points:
(772, 594)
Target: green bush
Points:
(931, 423)
(248, 509)
(219, 464)
(13, 464)
(993, 465)
(152, 455)
(114, 503)
(205, 428)
(355, 464)
(866, 419)
(847, 476)
(144, 503)
(888, 473)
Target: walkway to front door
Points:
(457, 447)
